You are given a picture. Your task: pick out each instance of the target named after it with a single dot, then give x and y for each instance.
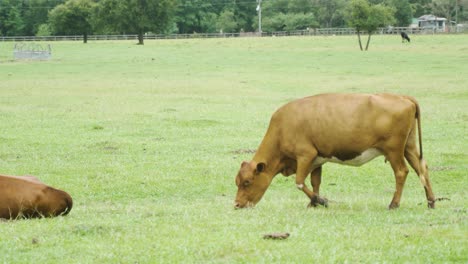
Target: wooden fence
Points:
(311, 32)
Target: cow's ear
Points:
(260, 167)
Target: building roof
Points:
(431, 18)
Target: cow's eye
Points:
(246, 183)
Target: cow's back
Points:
(342, 123)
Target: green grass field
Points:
(148, 140)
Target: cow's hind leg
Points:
(315, 180)
(401, 171)
(420, 167)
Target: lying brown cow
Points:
(349, 129)
(27, 197)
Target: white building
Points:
(432, 22)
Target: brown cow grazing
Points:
(27, 197)
(349, 129)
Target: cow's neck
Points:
(269, 154)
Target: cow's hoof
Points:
(393, 206)
(317, 200)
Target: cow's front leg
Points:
(303, 169)
(315, 180)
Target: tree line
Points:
(83, 17)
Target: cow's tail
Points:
(418, 120)
(418, 117)
(422, 162)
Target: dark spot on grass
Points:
(460, 210)
(110, 148)
(8, 157)
(441, 168)
(276, 236)
(98, 127)
(438, 200)
(199, 123)
(244, 151)
(84, 230)
(204, 122)
(106, 146)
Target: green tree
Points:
(420, 7)
(367, 18)
(300, 6)
(299, 21)
(379, 16)
(35, 13)
(357, 15)
(226, 21)
(245, 13)
(44, 30)
(274, 8)
(273, 23)
(287, 15)
(446, 8)
(73, 17)
(463, 11)
(196, 16)
(14, 22)
(403, 12)
(11, 21)
(329, 13)
(137, 16)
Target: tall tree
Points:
(379, 16)
(403, 12)
(446, 8)
(420, 7)
(11, 21)
(245, 13)
(226, 21)
(196, 16)
(357, 15)
(329, 12)
(36, 13)
(367, 18)
(137, 16)
(300, 21)
(300, 6)
(462, 14)
(287, 15)
(73, 17)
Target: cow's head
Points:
(252, 182)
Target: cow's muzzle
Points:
(238, 205)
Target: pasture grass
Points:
(148, 140)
